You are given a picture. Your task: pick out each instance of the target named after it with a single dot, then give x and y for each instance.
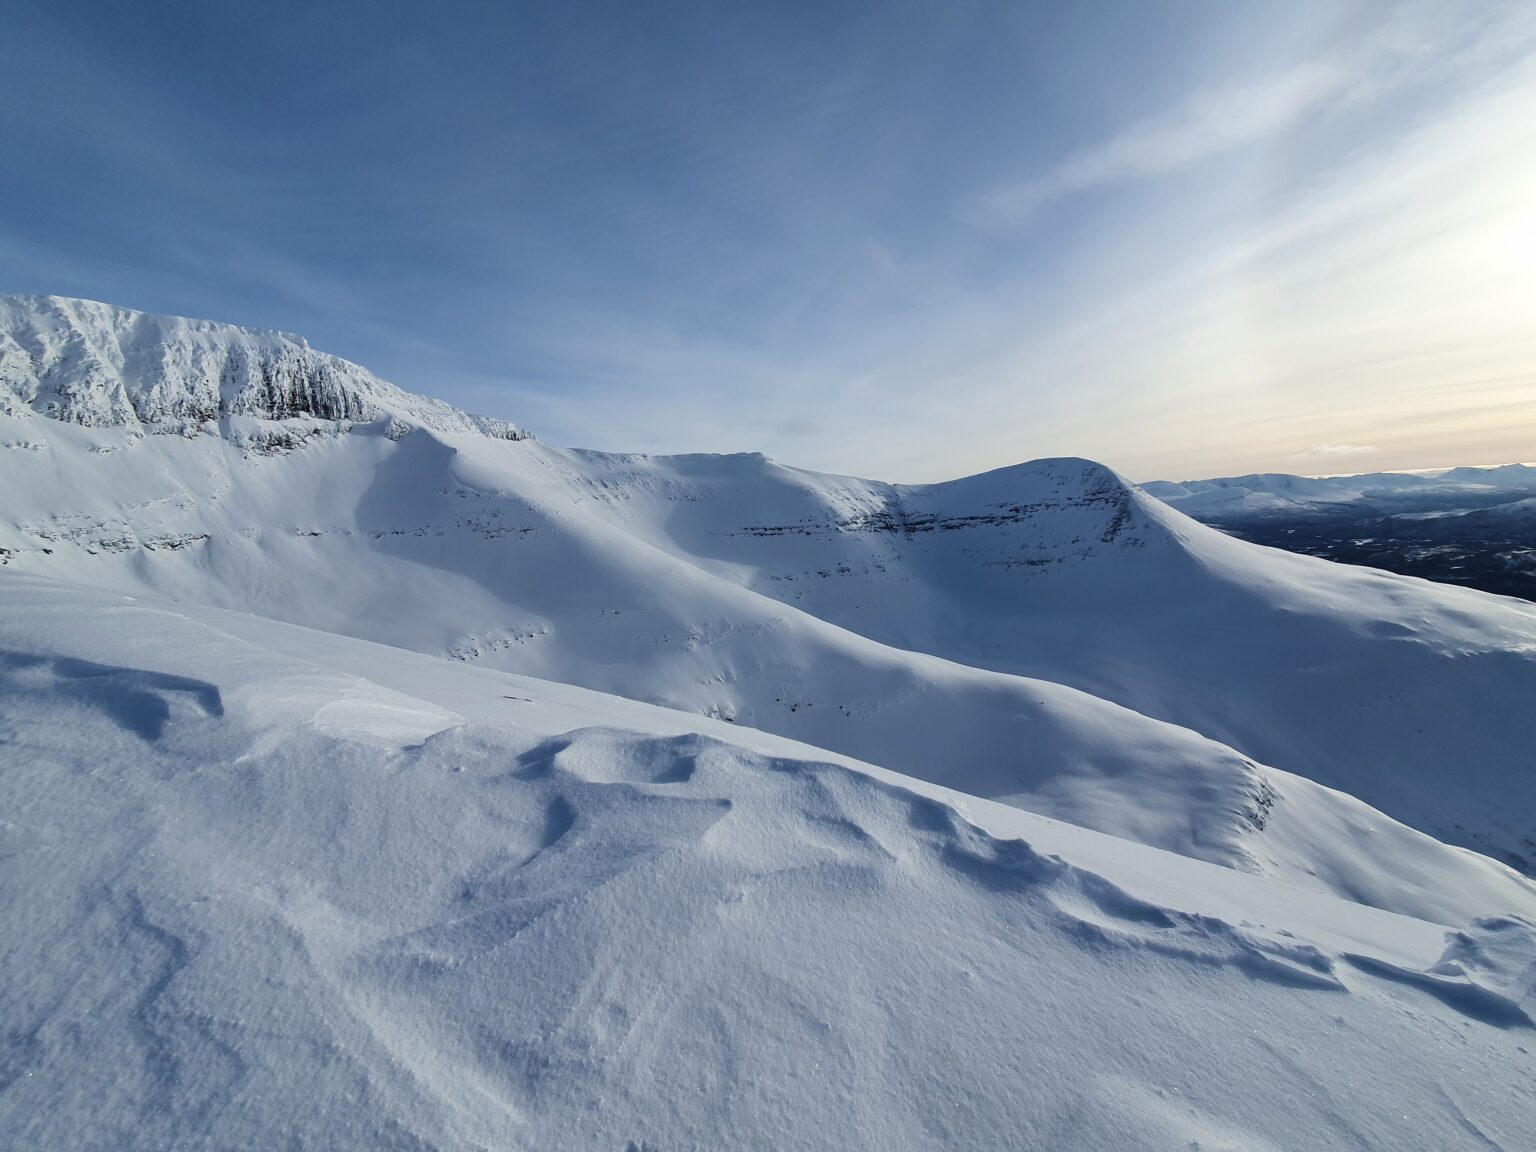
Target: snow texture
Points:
(259, 901)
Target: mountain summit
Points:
(100, 366)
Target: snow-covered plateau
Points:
(377, 776)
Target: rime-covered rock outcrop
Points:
(102, 366)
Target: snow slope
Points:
(260, 899)
(1110, 662)
(1059, 570)
(405, 553)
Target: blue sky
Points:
(907, 240)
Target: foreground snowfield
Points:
(374, 776)
(255, 899)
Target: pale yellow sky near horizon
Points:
(1386, 320)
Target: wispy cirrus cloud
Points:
(1211, 123)
(1334, 451)
(1218, 120)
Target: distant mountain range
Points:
(1475, 527)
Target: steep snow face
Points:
(921, 567)
(97, 365)
(262, 900)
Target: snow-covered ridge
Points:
(102, 366)
(1044, 635)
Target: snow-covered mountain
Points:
(1040, 609)
(1471, 527)
(88, 363)
(1037, 645)
(1278, 491)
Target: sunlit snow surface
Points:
(1149, 858)
(255, 900)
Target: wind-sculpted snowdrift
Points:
(258, 900)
